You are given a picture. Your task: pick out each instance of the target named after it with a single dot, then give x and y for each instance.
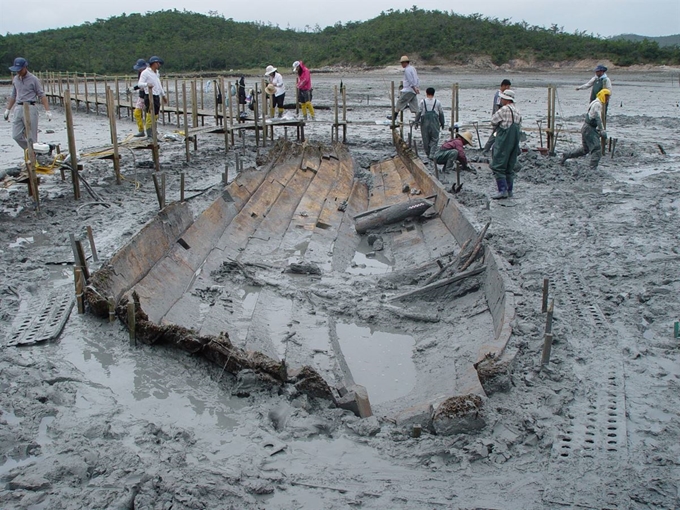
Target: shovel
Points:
(479, 140)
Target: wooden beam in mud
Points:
(441, 283)
(393, 214)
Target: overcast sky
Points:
(606, 18)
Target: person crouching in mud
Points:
(592, 131)
(454, 150)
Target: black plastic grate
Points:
(42, 320)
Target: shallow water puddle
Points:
(368, 261)
(379, 360)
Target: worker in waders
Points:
(592, 131)
(507, 124)
(430, 120)
(505, 85)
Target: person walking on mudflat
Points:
(507, 123)
(304, 86)
(138, 114)
(26, 88)
(598, 82)
(592, 132)
(151, 76)
(408, 96)
(431, 118)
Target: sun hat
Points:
(296, 64)
(19, 64)
(270, 70)
(270, 89)
(467, 136)
(600, 67)
(155, 59)
(508, 95)
(141, 64)
(404, 58)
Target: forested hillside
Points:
(196, 42)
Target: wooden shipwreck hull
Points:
(267, 275)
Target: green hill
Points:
(662, 41)
(196, 42)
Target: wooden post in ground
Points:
(187, 140)
(336, 131)
(226, 125)
(256, 114)
(93, 248)
(202, 87)
(177, 102)
(159, 193)
(344, 116)
(96, 96)
(455, 104)
(264, 111)
(194, 108)
(546, 287)
(551, 138)
(78, 278)
(181, 187)
(87, 97)
(548, 339)
(114, 133)
(118, 97)
(30, 164)
(112, 309)
(73, 154)
(393, 106)
(75, 89)
(154, 129)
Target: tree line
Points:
(189, 41)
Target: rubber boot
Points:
(149, 133)
(510, 182)
(140, 122)
(310, 109)
(502, 185)
(279, 113)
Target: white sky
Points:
(605, 18)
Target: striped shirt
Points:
(504, 117)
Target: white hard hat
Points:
(269, 70)
(296, 64)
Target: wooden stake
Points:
(226, 97)
(181, 187)
(112, 309)
(393, 106)
(78, 276)
(87, 97)
(547, 348)
(549, 317)
(131, 323)
(154, 132)
(90, 237)
(159, 195)
(114, 134)
(96, 97)
(72, 144)
(187, 139)
(177, 103)
(82, 261)
(546, 287)
(163, 188)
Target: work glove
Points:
(49, 116)
(6, 115)
(603, 134)
(136, 87)
(416, 125)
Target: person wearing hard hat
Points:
(304, 86)
(598, 82)
(278, 93)
(26, 88)
(138, 114)
(151, 77)
(592, 131)
(454, 150)
(507, 125)
(431, 117)
(408, 96)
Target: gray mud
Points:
(89, 422)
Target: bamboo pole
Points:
(72, 144)
(187, 140)
(114, 133)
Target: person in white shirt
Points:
(598, 82)
(151, 77)
(409, 89)
(279, 95)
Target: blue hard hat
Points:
(601, 68)
(141, 64)
(19, 64)
(155, 59)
